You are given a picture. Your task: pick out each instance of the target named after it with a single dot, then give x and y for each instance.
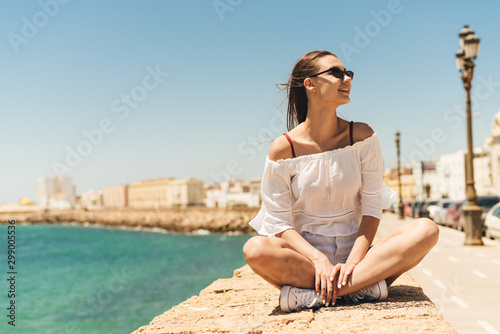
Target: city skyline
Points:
(118, 94)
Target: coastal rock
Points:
(246, 303)
(186, 220)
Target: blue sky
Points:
(187, 88)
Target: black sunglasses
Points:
(337, 73)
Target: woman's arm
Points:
(366, 233)
(370, 157)
(294, 239)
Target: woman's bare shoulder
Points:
(280, 149)
(361, 131)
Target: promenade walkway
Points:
(462, 281)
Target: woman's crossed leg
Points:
(280, 264)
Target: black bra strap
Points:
(350, 132)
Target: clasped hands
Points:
(330, 279)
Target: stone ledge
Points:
(246, 303)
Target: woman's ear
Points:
(309, 85)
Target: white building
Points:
(255, 188)
(233, 193)
(493, 143)
(183, 193)
(166, 193)
(92, 199)
(116, 196)
(427, 181)
(55, 192)
(451, 172)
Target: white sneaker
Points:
(377, 291)
(294, 299)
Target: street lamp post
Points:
(400, 206)
(469, 47)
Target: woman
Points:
(322, 200)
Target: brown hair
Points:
(306, 66)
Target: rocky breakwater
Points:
(186, 220)
(246, 303)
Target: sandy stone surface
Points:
(246, 303)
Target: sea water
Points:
(75, 279)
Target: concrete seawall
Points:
(246, 303)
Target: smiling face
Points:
(326, 88)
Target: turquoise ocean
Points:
(76, 279)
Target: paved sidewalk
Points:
(462, 281)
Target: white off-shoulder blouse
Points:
(324, 193)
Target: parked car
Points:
(419, 208)
(394, 207)
(424, 209)
(453, 214)
(437, 211)
(408, 208)
(485, 202)
(415, 208)
(492, 222)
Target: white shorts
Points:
(337, 248)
